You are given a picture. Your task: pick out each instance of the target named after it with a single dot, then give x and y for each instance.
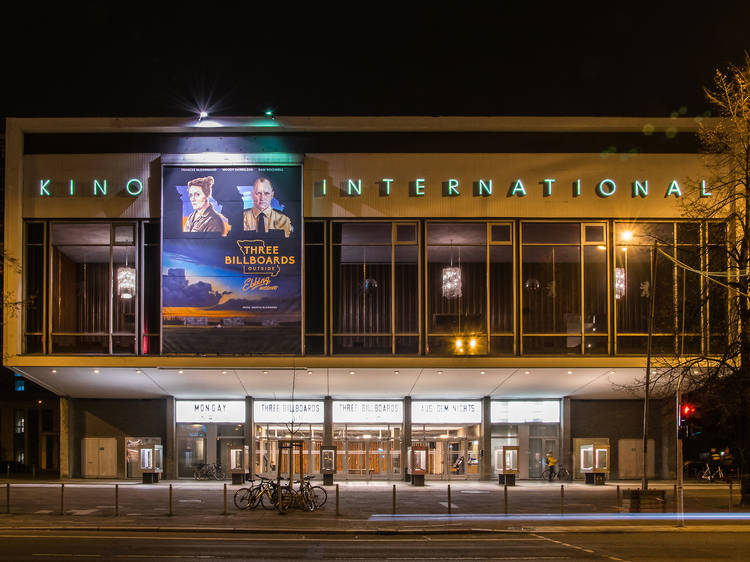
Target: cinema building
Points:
(465, 284)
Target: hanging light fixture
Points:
(126, 281)
(452, 282)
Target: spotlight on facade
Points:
(472, 343)
(202, 115)
(459, 343)
(126, 282)
(269, 113)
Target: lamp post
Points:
(680, 480)
(654, 254)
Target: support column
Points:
(170, 446)
(566, 440)
(66, 438)
(328, 421)
(249, 439)
(485, 454)
(406, 438)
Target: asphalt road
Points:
(684, 545)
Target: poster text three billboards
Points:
(231, 270)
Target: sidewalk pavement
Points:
(364, 508)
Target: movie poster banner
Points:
(231, 259)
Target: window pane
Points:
(152, 232)
(314, 289)
(85, 233)
(125, 234)
(551, 289)
(688, 233)
(362, 289)
(634, 268)
(501, 288)
(407, 289)
(34, 290)
(151, 292)
(406, 233)
(35, 233)
(594, 233)
(595, 289)
(456, 233)
(362, 232)
(81, 289)
(124, 290)
(551, 233)
(457, 283)
(501, 233)
(644, 233)
(314, 232)
(689, 302)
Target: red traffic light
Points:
(687, 410)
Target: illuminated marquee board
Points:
(286, 411)
(210, 411)
(368, 411)
(446, 411)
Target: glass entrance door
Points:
(538, 449)
(452, 451)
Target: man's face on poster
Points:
(262, 195)
(198, 199)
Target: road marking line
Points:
(53, 555)
(263, 539)
(572, 546)
(445, 504)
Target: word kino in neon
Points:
(485, 187)
(133, 187)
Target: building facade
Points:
(369, 283)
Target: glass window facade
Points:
(419, 287)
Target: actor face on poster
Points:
(203, 218)
(261, 217)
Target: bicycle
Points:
(562, 474)
(211, 471)
(712, 473)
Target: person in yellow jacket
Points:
(551, 461)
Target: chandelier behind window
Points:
(452, 281)
(126, 281)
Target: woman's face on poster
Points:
(198, 199)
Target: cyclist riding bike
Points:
(550, 461)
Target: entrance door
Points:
(538, 448)
(99, 457)
(456, 458)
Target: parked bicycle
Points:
(561, 473)
(712, 473)
(270, 495)
(212, 471)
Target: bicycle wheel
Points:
(242, 498)
(319, 495)
(546, 474)
(563, 474)
(219, 473)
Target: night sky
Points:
(367, 59)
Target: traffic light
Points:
(688, 410)
(687, 413)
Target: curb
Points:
(606, 529)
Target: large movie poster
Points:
(231, 259)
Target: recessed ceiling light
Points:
(309, 372)
(223, 372)
(481, 372)
(440, 372)
(395, 372)
(96, 371)
(54, 371)
(265, 372)
(351, 372)
(138, 371)
(179, 372)
(527, 372)
(570, 372)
